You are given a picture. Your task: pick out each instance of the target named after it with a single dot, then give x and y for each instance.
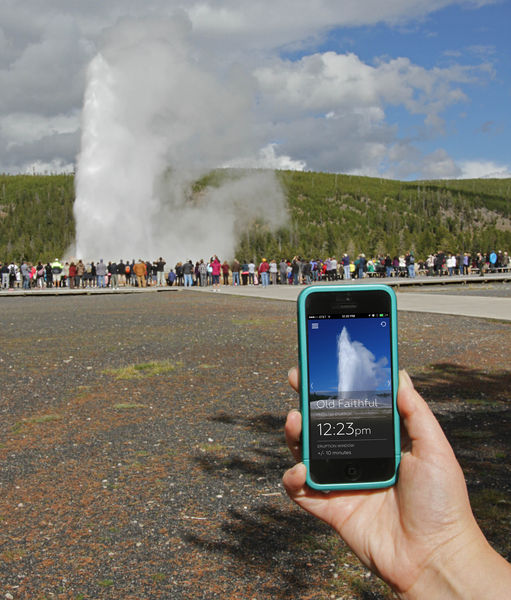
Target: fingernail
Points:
(294, 469)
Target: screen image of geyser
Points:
(348, 386)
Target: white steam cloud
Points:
(357, 368)
(155, 119)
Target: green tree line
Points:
(328, 214)
(331, 214)
(36, 216)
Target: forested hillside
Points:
(331, 214)
(36, 216)
(328, 214)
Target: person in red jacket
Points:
(216, 267)
(263, 269)
(72, 275)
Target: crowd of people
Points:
(78, 274)
(213, 272)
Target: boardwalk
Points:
(460, 295)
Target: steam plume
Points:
(357, 367)
(155, 119)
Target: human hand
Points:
(420, 535)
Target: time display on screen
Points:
(337, 429)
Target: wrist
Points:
(467, 568)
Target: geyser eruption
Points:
(357, 368)
(155, 119)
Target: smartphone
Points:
(348, 385)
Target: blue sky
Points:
(478, 127)
(322, 347)
(475, 130)
(407, 89)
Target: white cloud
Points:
(405, 161)
(21, 128)
(332, 83)
(47, 76)
(269, 23)
(474, 169)
(329, 110)
(439, 165)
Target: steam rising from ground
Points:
(155, 119)
(357, 367)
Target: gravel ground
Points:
(141, 446)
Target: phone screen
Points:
(350, 385)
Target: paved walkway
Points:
(456, 304)
(467, 306)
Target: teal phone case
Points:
(304, 383)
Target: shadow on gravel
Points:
(456, 382)
(270, 539)
(265, 422)
(262, 456)
(272, 544)
(474, 409)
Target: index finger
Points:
(293, 430)
(294, 378)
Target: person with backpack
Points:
(493, 261)
(130, 274)
(56, 269)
